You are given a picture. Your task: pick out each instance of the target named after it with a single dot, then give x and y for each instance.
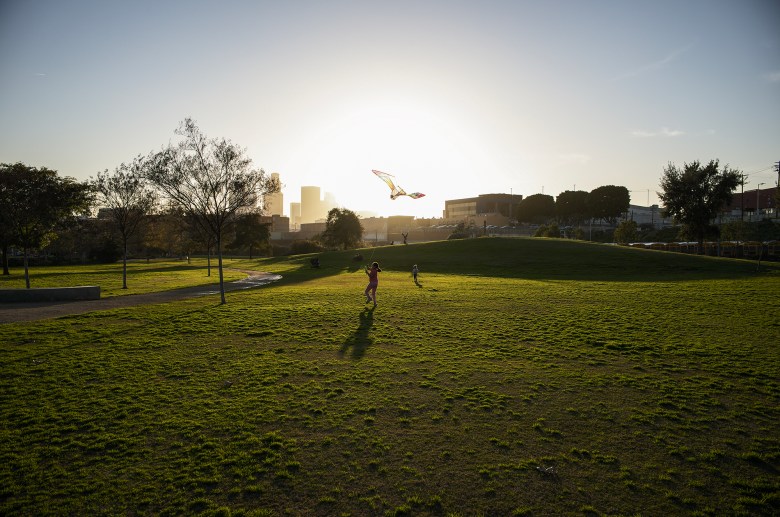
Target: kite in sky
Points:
(395, 190)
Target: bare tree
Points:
(128, 198)
(210, 180)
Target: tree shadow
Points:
(357, 343)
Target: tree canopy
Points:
(33, 202)
(571, 206)
(694, 194)
(608, 202)
(211, 180)
(342, 228)
(250, 232)
(536, 208)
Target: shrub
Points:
(107, 253)
(626, 232)
(548, 231)
(307, 246)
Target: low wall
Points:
(50, 294)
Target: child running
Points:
(415, 270)
(373, 282)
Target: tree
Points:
(250, 232)
(342, 228)
(35, 202)
(128, 198)
(571, 207)
(536, 208)
(10, 181)
(210, 180)
(626, 232)
(694, 195)
(608, 203)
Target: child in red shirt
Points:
(373, 282)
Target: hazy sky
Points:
(455, 98)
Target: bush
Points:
(107, 253)
(602, 236)
(278, 250)
(548, 231)
(764, 230)
(668, 234)
(626, 232)
(301, 247)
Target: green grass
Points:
(647, 381)
(142, 276)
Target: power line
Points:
(771, 167)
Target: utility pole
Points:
(777, 185)
(758, 199)
(742, 199)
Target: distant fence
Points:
(50, 294)
(732, 249)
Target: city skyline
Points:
(452, 98)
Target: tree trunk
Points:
(6, 272)
(221, 279)
(26, 270)
(124, 266)
(208, 260)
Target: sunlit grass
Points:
(502, 384)
(142, 276)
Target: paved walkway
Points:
(18, 312)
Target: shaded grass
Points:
(471, 394)
(522, 258)
(142, 276)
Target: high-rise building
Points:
(274, 203)
(311, 204)
(328, 204)
(295, 216)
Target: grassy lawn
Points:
(142, 277)
(521, 377)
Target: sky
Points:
(455, 98)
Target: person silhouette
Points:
(373, 282)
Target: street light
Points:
(758, 191)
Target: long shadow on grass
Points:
(526, 258)
(357, 343)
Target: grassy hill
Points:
(521, 376)
(535, 259)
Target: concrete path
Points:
(19, 312)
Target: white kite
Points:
(395, 190)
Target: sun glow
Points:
(418, 144)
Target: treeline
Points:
(197, 192)
(629, 231)
(95, 240)
(573, 207)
